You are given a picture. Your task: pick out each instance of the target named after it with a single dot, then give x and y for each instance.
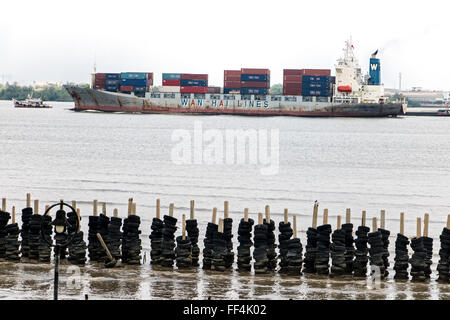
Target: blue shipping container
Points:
(194, 83)
(133, 82)
(254, 90)
(140, 89)
(316, 86)
(113, 76)
(171, 76)
(316, 93)
(255, 77)
(316, 78)
(133, 75)
(228, 90)
(112, 88)
(110, 82)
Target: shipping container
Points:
(133, 75)
(292, 72)
(110, 82)
(126, 88)
(100, 75)
(231, 90)
(292, 78)
(232, 78)
(193, 83)
(193, 89)
(255, 84)
(149, 75)
(169, 89)
(255, 77)
(292, 85)
(254, 90)
(140, 89)
(171, 82)
(292, 92)
(171, 76)
(134, 82)
(232, 84)
(316, 79)
(255, 71)
(113, 76)
(213, 90)
(317, 93)
(149, 82)
(316, 72)
(193, 76)
(232, 73)
(112, 88)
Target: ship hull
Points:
(89, 99)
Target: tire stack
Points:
(428, 245)
(228, 234)
(183, 253)
(311, 250)
(208, 242)
(219, 252)
(131, 245)
(417, 260)
(61, 238)
(284, 235)
(4, 218)
(349, 247)
(94, 247)
(444, 254)
(244, 257)
(45, 250)
(401, 257)
(338, 252)
(25, 231)
(271, 246)
(77, 248)
(35, 236)
(168, 241)
(294, 256)
(12, 242)
(156, 238)
(260, 252)
(385, 238)
(376, 251)
(193, 232)
(323, 250)
(115, 237)
(103, 224)
(361, 258)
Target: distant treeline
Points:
(47, 93)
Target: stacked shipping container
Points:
(185, 83)
(232, 81)
(293, 80)
(125, 82)
(246, 81)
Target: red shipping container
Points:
(150, 75)
(232, 73)
(292, 92)
(291, 78)
(192, 76)
(255, 71)
(292, 72)
(194, 89)
(149, 82)
(232, 78)
(292, 84)
(100, 76)
(316, 72)
(254, 84)
(171, 82)
(232, 84)
(126, 88)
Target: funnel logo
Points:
(373, 66)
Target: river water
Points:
(395, 164)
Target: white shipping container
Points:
(169, 89)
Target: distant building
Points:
(44, 84)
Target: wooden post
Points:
(183, 227)
(220, 229)
(225, 210)
(402, 223)
(448, 221)
(134, 208)
(104, 208)
(4, 204)
(95, 209)
(130, 201)
(115, 213)
(325, 216)
(294, 225)
(374, 225)
(419, 228)
(338, 222)
(158, 208)
(74, 205)
(79, 219)
(171, 210)
(36, 206)
(267, 214)
(13, 218)
(426, 222)
(315, 215)
(260, 218)
(286, 216)
(192, 210)
(246, 214)
(383, 219)
(363, 219)
(214, 215)
(28, 200)
(46, 207)
(348, 218)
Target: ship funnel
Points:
(374, 55)
(374, 70)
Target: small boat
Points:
(31, 103)
(443, 112)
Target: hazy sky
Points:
(60, 40)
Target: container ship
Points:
(306, 92)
